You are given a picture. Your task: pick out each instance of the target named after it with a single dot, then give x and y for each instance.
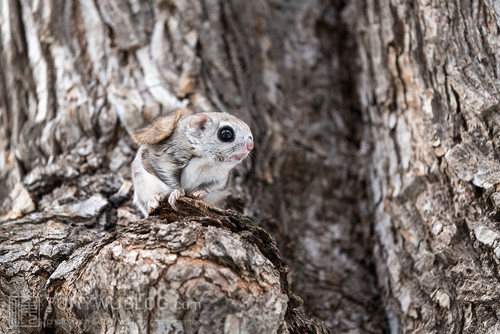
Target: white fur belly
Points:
(199, 172)
(150, 184)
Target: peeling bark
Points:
(429, 89)
(203, 270)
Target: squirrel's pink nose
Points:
(250, 146)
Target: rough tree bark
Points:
(376, 165)
(78, 76)
(429, 89)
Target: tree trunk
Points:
(376, 129)
(429, 89)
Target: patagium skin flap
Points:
(186, 153)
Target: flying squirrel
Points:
(184, 153)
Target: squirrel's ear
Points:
(159, 130)
(198, 123)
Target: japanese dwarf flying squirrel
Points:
(186, 154)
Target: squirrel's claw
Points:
(200, 194)
(174, 196)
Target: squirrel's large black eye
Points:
(226, 134)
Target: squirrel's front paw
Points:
(153, 203)
(174, 196)
(200, 194)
